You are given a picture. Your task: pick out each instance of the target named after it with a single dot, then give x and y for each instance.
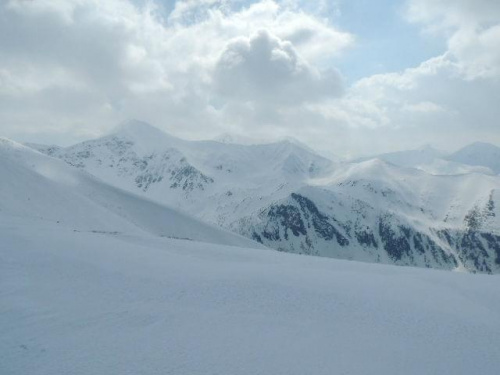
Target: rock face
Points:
(375, 215)
(119, 155)
(298, 225)
(288, 198)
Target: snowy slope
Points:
(429, 160)
(408, 158)
(87, 303)
(40, 188)
(211, 180)
(376, 212)
(293, 200)
(479, 154)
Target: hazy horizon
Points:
(325, 198)
(243, 140)
(349, 78)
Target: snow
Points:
(438, 196)
(479, 154)
(434, 162)
(92, 280)
(246, 171)
(88, 303)
(38, 187)
(147, 138)
(234, 186)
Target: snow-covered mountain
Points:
(39, 189)
(432, 161)
(93, 280)
(217, 182)
(291, 199)
(479, 154)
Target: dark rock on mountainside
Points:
(298, 225)
(291, 199)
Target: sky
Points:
(346, 77)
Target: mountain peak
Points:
(237, 139)
(135, 127)
(430, 150)
(479, 146)
(145, 137)
(480, 154)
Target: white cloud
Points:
(87, 64)
(74, 68)
(449, 100)
(442, 14)
(472, 28)
(267, 70)
(423, 107)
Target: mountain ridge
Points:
(41, 188)
(479, 153)
(291, 199)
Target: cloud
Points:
(432, 103)
(70, 69)
(265, 69)
(87, 64)
(472, 28)
(442, 14)
(448, 100)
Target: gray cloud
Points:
(87, 64)
(265, 69)
(73, 69)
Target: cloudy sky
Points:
(347, 77)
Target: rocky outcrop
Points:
(298, 225)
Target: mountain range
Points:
(419, 208)
(477, 157)
(37, 189)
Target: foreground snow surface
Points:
(89, 303)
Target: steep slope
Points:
(86, 303)
(35, 187)
(288, 198)
(377, 212)
(212, 180)
(479, 154)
